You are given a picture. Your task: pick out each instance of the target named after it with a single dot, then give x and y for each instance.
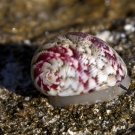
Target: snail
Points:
(78, 68)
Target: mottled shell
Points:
(76, 63)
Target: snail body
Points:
(77, 65)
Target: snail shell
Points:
(70, 67)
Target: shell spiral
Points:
(76, 63)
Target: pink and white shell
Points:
(76, 64)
